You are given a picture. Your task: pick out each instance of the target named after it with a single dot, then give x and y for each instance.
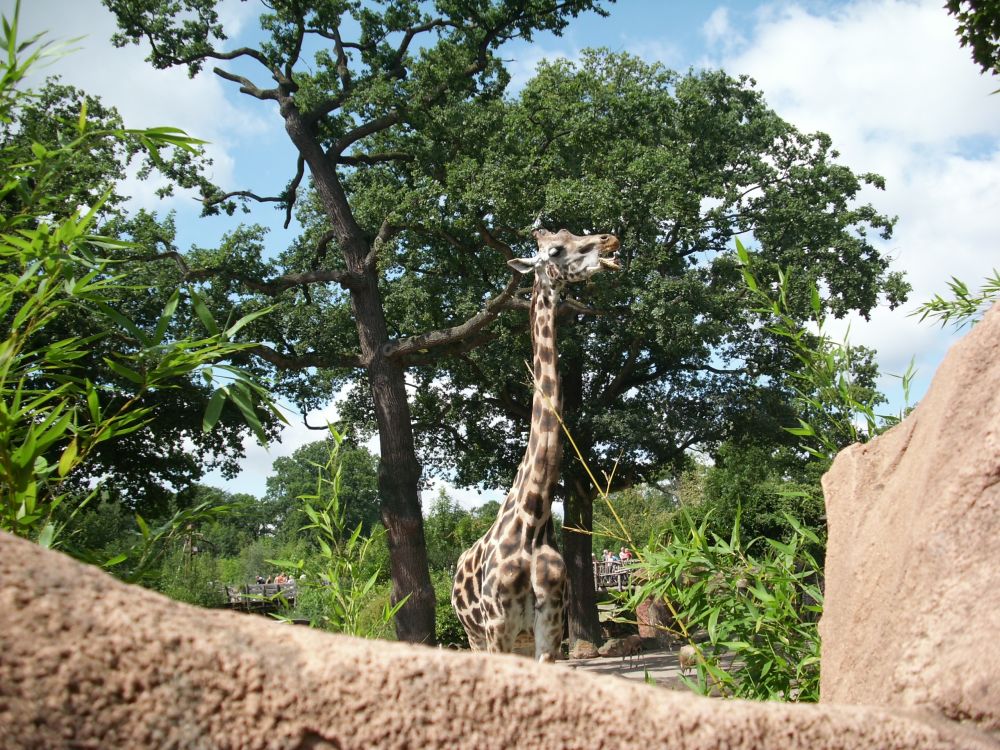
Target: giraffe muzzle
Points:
(610, 248)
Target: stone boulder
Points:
(87, 661)
(582, 649)
(911, 609)
(913, 559)
(655, 621)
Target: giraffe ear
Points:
(522, 265)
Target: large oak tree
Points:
(666, 355)
(380, 68)
(425, 180)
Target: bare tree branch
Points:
(215, 200)
(455, 334)
(296, 49)
(427, 357)
(305, 361)
(366, 129)
(567, 308)
(395, 67)
(272, 287)
(353, 160)
(293, 188)
(617, 386)
(513, 408)
(491, 241)
(247, 86)
(385, 233)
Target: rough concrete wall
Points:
(912, 611)
(86, 661)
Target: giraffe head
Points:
(567, 258)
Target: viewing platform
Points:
(262, 597)
(613, 575)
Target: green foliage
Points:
(759, 612)
(979, 28)
(965, 307)
(760, 488)
(295, 476)
(637, 514)
(675, 165)
(341, 573)
(758, 602)
(449, 530)
(192, 578)
(55, 413)
(448, 631)
(833, 384)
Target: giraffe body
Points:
(513, 579)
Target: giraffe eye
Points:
(556, 251)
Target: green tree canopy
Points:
(979, 29)
(675, 355)
(300, 474)
(380, 68)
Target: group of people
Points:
(278, 579)
(623, 555)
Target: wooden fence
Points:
(262, 597)
(612, 574)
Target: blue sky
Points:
(885, 78)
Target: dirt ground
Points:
(661, 665)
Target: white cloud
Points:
(523, 59)
(144, 97)
(889, 82)
(661, 50)
(719, 31)
(870, 71)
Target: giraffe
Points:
(513, 579)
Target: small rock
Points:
(583, 650)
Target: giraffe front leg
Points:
(549, 584)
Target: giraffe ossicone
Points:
(513, 579)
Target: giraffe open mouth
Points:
(608, 254)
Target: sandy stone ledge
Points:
(910, 656)
(86, 661)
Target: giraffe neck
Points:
(540, 466)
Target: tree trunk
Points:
(398, 477)
(584, 623)
(581, 612)
(399, 470)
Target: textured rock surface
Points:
(912, 614)
(582, 649)
(86, 661)
(913, 562)
(655, 620)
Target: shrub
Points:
(759, 613)
(341, 575)
(54, 414)
(448, 631)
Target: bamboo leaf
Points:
(214, 409)
(68, 457)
